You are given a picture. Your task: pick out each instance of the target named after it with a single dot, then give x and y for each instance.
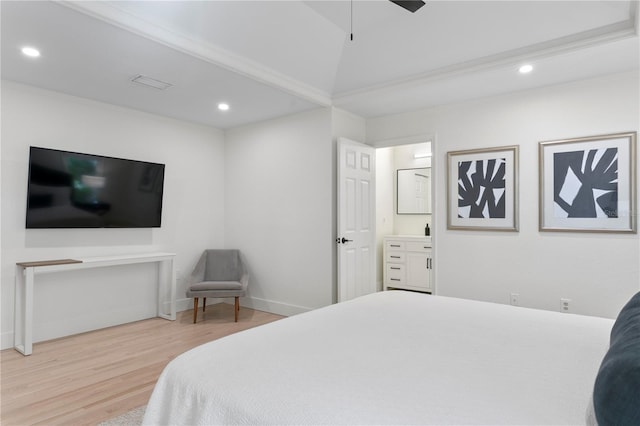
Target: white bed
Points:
(393, 357)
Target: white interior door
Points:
(356, 237)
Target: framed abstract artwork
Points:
(588, 184)
(482, 189)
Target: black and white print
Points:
(585, 183)
(481, 188)
(588, 184)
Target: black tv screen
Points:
(75, 190)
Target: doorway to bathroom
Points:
(404, 192)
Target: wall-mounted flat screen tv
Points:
(75, 190)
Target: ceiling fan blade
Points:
(410, 5)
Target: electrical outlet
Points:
(565, 305)
(514, 299)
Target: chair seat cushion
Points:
(216, 285)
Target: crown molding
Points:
(110, 13)
(406, 140)
(563, 45)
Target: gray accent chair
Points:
(221, 274)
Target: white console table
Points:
(26, 271)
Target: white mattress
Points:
(393, 357)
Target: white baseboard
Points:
(274, 307)
(59, 330)
(270, 306)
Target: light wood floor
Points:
(91, 377)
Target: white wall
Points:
(192, 217)
(278, 210)
(385, 210)
(599, 272)
(347, 125)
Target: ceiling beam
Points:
(110, 13)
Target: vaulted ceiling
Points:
(272, 58)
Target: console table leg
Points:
(167, 277)
(28, 312)
(23, 329)
(161, 290)
(18, 311)
(172, 284)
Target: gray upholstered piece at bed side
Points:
(616, 394)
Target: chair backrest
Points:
(223, 265)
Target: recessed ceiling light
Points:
(525, 69)
(223, 106)
(31, 52)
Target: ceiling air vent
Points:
(151, 82)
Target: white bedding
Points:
(393, 357)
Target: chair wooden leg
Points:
(204, 303)
(195, 309)
(237, 307)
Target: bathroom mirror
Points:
(414, 191)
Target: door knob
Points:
(342, 240)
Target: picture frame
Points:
(482, 189)
(588, 184)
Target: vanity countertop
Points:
(411, 237)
